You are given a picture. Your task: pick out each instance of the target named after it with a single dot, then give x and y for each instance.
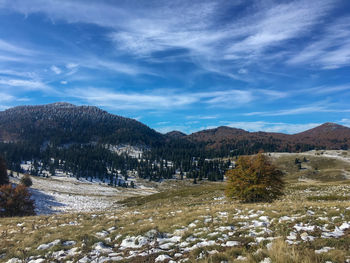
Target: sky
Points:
(277, 66)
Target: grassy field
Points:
(196, 223)
(313, 166)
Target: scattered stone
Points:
(14, 260)
(162, 258)
(69, 243)
(266, 260)
(100, 247)
(39, 260)
(232, 244)
(49, 245)
(323, 250)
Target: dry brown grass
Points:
(177, 208)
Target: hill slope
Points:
(330, 135)
(327, 136)
(74, 139)
(64, 123)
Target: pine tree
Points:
(4, 179)
(254, 179)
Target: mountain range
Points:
(63, 123)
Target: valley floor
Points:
(61, 194)
(183, 222)
(311, 223)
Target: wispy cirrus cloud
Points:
(276, 24)
(330, 50)
(179, 25)
(180, 58)
(345, 122)
(325, 89)
(115, 66)
(254, 126)
(201, 117)
(297, 111)
(16, 73)
(27, 85)
(6, 46)
(5, 97)
(10, 52)
(130, 100)
(161, 99)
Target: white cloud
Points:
(72, 65)
(116, 67)
(9, 72)
(56, 69)
(120, 100)
(6, 97)
(227, 98)
(193, 26)
(330, 50)
(161, 99)
(242, 71)
(345, 122)
(290, 128)
(27, 84)
(276, 24)
(296, 111)
(4, 107)
(9, 47)
(9, 58)
(320, 90)
(201, 117)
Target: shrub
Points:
(254, 179)
(4, 178)
(26, 181)
(15, 201)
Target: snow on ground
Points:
(132, 151)
(61, 194)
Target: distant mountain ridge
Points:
(63, 123)
(328, 135)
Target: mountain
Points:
(74, 139)
(327, 136)
(175, 135)
(64, 123)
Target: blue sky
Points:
(281, 66)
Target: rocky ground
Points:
(197, 225)
(182, 223)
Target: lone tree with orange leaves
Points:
(254, 179)
(14, 201)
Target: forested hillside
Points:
(85, 141)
